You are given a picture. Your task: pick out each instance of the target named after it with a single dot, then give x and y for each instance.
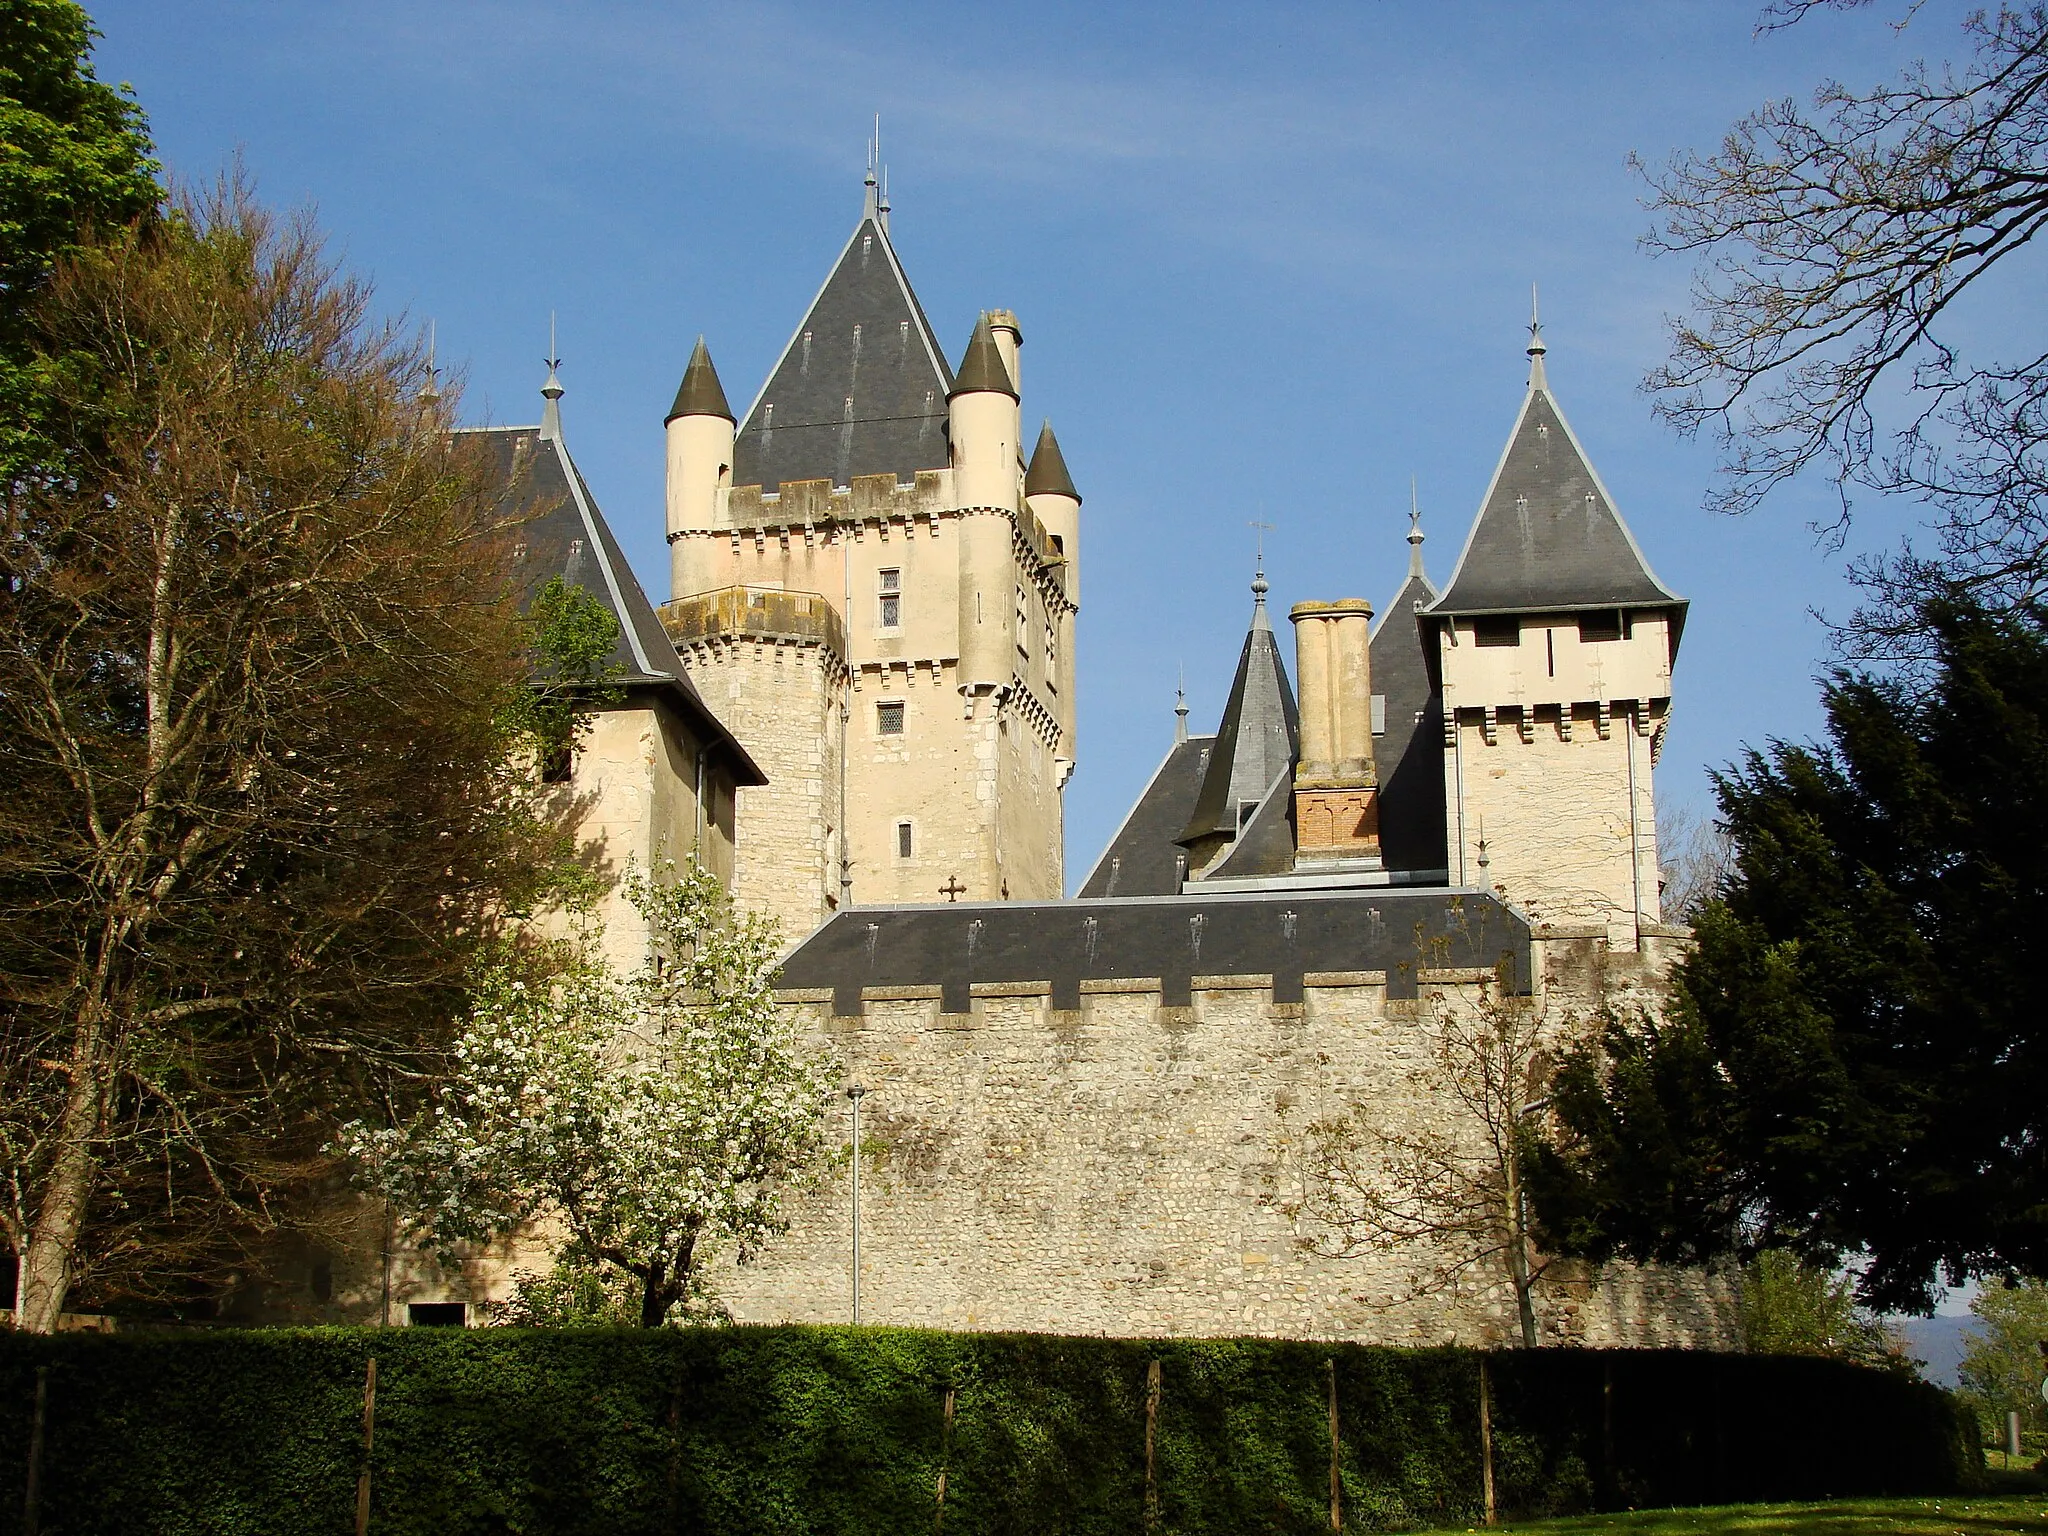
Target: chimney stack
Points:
(1336, 782)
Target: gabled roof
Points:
(1548, 535)
(1143, 859)
(1048, 475)
(1260, 734)
(562, 533)
(860, 389)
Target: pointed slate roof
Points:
(1048, 475)
(982, 368)
(1409, 752)
(562, 533)
(1260, 735)
(700, 393)
(1548, 535)
(860, 389)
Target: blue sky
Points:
(1270, 261)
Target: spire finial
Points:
(1180, 707)
(1259, 585)
(430, 393)
(873, 202)
(1536, 347)
(1414, 531)
(551, 391)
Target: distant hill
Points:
(1938, 1341)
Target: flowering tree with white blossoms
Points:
(656, 1117)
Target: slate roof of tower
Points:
(982, 366)
(1259, 736)
(861, 388)
(1143, 859)
(700, 393)
(1409, 753)
(1548, 535)
(1265, 845)
(562, 533)
(1048, 475)
(1169, 940)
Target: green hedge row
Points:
(800, 1430)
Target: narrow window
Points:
(889, 718)
(890, 589)
(1505, 630)
(557, 763)
(1379, 714)
(1550, 650)
(1023, 624)
(902, 839)
(1052, 655)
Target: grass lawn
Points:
(1986, 1515)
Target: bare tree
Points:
(261, 805)
(1445, 1197)
(1696, 853)
(1840, 247)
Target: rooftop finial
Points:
(1414, 531)
(873, 208)
(882, 204)
(430, 392)
(1536, 347)
(1180, 707)
(1259, 584)
(551, 391)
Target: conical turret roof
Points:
(1048, 475)
(700, 393)
(1259, 738)
(1548, 535)
(860, 389)
(983, 368)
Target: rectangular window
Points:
(902, 839)
(889, 718)
(1497, 631)
(1023, 624)
(438, 1314)
(1379, 714)
(1599, 626)
(557, 763)
(889, 588)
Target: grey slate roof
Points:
(563, 533)
(1143, 859)
(700, 393)
(1171, 939)
(1266, 844)
(1410, 754)
(1548, 535)
(861, 388)
(1260, 734)
(981, 366)
(1048, 475)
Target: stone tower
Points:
(1553, 644)
(878, 594)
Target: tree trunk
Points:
(654, 1295)
(45, 1269)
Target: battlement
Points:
(754, 613)
(867, 499)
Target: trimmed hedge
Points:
(800, 1430)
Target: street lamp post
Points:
(855, 1092)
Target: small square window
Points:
(889, 718)
(1497, 631)
(902, 839)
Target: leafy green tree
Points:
(75, 158)
(639, 1122)
(1855, 1061)
(264, 799)
(1792, 1308)
(2004, 1364)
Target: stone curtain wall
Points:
(1128, 1169)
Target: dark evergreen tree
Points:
(1856, 1058)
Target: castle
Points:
(1095, 1114)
